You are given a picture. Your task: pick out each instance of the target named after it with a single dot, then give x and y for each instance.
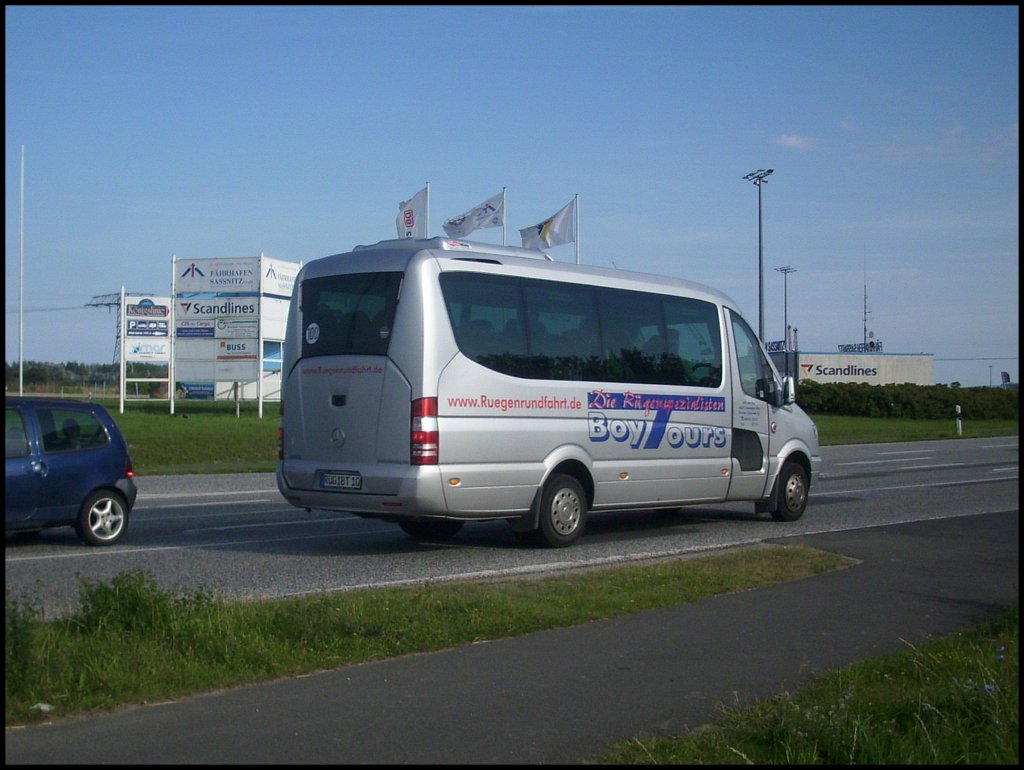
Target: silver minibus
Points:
(435, 382)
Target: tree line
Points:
(916, 402)
(849, 399)
(49, 377)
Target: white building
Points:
(867, 367)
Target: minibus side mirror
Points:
(767, 389)
(788, 390)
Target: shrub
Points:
(919, 402)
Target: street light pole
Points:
(785, 309)
(758, 177)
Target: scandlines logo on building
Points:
(851, 370)
(846, 371)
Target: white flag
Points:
(490, 213)
(553, 231)
(412, 216)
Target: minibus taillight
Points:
(424, 443)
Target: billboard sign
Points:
(200, 276)
(196, 391)
(138, 327)
(237, 327)
(279, 277)
(147, 350)
(198, 328)
(148, 318)
(236, 350)
(878, 369)
(217, 307)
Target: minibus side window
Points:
(756, 376)
(562, 329)
(485, 314)
(624, 316)
(695, 336)
(555, 330)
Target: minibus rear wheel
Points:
(563, 511)
(792, 495)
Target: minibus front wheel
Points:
(792, 492)
(563, 511)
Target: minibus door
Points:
(753, 385)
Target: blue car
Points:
(67, 464)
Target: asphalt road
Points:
(236, 537)
(561, 696)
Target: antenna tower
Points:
(110, 301)
(867, 311)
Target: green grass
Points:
(207, 437)
(200, 437)
(170, 645)
(953, 700)
(836, 429)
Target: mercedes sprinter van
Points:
(435, 382)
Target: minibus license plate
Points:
(336, 480)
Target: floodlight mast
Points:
(785, 309)
(758, 177)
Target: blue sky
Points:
(205, 132)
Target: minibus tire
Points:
(439, 529)
(563, 512)
(791, 496)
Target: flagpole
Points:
(21, 283)
(504, 218)
(576, 213)
(121, 332)
(171, 320)
(426, 226)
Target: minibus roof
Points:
(473, 251)
(454, 244)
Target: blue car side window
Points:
(16, 440)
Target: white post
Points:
(21, 282)
(120, 345)
(259, 339)
(170, 361)
(576, 229)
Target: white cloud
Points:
(795, 142)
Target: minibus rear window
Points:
(350, 314)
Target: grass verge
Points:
(953, 700)
(169, 646)
(837, 429)
(208, 437)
